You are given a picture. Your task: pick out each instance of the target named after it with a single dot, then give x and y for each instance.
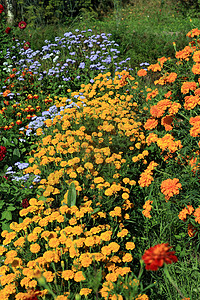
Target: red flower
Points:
(25, 203)
(8, 29)
(22, 25)
(156, 256)
(26, 45)
(2, 152)
(1, 8)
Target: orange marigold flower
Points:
(187, 86)
(156, 111)
(196, 56)
(196, 69)
(147, 208)
(186, 211)
(185, 53)
(154, 67)
(142, 72)
(150, 124)
(191, 101)
(195, 130)
(194, 32)
(172, 77)
(166, 122)
(197, 215)
(156, 256)
(174, 108)
(192, 231)
(170, 187)
(153, 94)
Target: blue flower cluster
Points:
(69, 58)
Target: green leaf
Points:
(10, 208)
(71, 197)
(6, 226)
(1, 204)
(16, 152)
(6, 215)
(42, 198)
(95, 210)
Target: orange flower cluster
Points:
(170, 187)
(185, 53)
(195, 130)
(146, 177)
(186, 211)
(167, 78)
(147, 208)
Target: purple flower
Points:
(82, 65)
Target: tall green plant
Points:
(50, 11)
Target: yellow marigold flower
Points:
(68, 274)
(132, 182)
(54, 243)
(49, 256)
(125, 196)
(105, 250)
(78, 277)
(98, 180)
(111, 277)
(7, 279)
(117, 211)
(49, 276)
(142, 297)
(114, 247)
(17, 262)
(127, 257)
(122, 233)
(106, 236)
(130, 246)
(23, 212)
(73, 175)
(32, 237)
(89, 241)
(35, 248)
(126, 180)
(2, 250)
(88, 165)
(85, 291)
(116, 297)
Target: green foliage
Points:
(51, 11)
(189, 8)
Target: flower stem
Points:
(171, 281)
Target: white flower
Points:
(55, 58)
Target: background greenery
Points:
(143, 29)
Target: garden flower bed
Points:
(100, 176)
